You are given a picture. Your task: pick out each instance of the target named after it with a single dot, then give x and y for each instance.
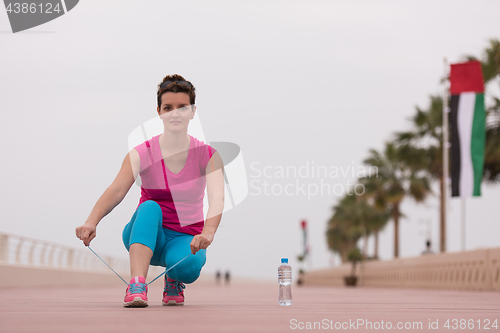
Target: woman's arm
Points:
(111, 197)
(215, 194)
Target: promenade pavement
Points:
(248, 307)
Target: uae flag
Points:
(468, 122)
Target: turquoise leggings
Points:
(168, 246)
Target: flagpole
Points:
(445, 160)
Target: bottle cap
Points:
(284, 260)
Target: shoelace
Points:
(137, 288)
(174, 288)
(165, 272)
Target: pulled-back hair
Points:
(175, 83)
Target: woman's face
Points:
(176, 111)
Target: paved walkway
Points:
(247, 308)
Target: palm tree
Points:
(492, 148)
(490, 62)
(355, 216)
(375, 196)
(343, 229)
(491, 71)
(370, 218)
(399, 175)
(423, 147)
(428, 132)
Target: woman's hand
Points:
(201, 241)
(86, 232)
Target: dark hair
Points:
(175, 83)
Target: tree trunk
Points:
(343, 254)
(442, 217)
(395, 217)
(375, 256)
(365, 245)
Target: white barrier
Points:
(24, 251)
(470, 270)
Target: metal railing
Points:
(20, 250)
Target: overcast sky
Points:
(293, 83)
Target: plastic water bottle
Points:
(285, 281)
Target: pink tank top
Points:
(180, 195)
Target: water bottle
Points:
(285, 281)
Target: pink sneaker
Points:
(173, 293)
(136, 295)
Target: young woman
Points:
(168, 224)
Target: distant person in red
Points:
(168, 224)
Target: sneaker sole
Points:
(136, 303)
(172, 303)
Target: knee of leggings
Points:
(186, 273)
(151, 205)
